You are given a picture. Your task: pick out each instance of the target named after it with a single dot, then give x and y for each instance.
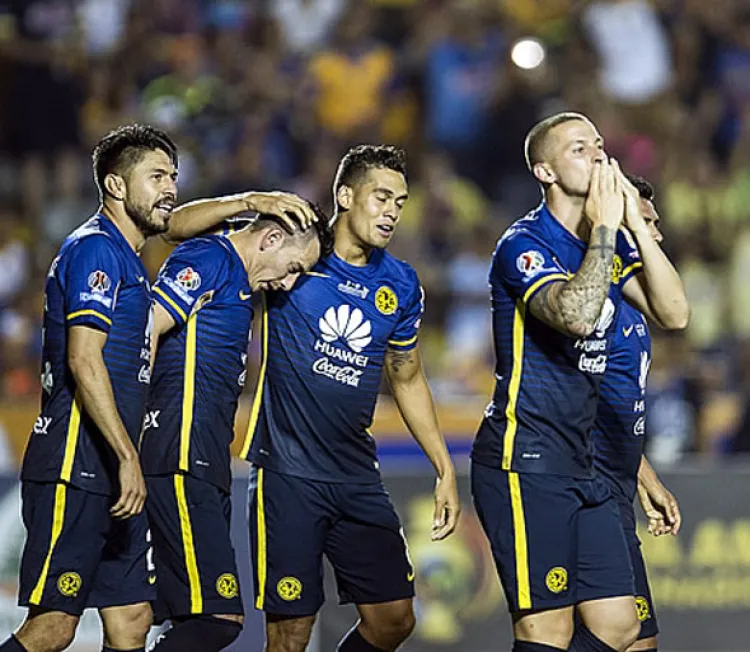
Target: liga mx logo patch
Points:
(557, 579)
(289, 589)
(188, 279)
(69, 584)
(386, 300)
(99, 282)
(530, 262)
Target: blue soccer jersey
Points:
(98, 281)
(200, 365)
(325, 344)
(547, 383)
(621, 414)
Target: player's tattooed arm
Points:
(396, 360)
(414, 400)
(573, 307)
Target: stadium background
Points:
(269, 94)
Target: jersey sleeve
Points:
(627, 262)
(91, 281)
(524, 264)
(404, 337)
(188, 280)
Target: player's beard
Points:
(141, 217)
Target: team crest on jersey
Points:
(69, 584)
(557, 579)
(642, 607)
(289, 589)
(530, 262)
(188, 279)
(386, 300)
(616, 269)
(227, 586)
(99, 282)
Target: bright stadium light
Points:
(528, 53)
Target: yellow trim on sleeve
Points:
(404, 343)
(171, 302)
(81, 313)
(543, 281)
(631, 268)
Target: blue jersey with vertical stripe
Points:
(200, 366)
(621, 413)
(325, 344)
(547, 383)
(98, 281)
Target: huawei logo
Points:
(347, 324)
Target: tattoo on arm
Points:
(397, 359)
(574, 307)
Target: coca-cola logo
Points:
(345, 375)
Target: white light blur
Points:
(528, 53)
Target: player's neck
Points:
(242, 242)
(125, 225)
(348, 247)
(568, 211)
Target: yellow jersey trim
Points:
(171, 302)
(81, 313)
(258, 399)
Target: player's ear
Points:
(344, 197)
(114, 184)
(272, 238)
(544, 173)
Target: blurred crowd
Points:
(267, 94)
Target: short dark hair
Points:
(358, 160)
(644, 188)
(123, 147)
(535, 139)
(320, 229)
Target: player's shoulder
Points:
(528, 227)
(397, 271)
(93, 237)
(205, 250)
(94, 232)
(626, 245)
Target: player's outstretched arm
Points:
(201, 215)
(658, 292)
(658, 503)
(94, 391)
(414, 400)
(573, 306)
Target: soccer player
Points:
(82, 487)
(317, 488)
(202, 320)
(618, 435)
(557, 278)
